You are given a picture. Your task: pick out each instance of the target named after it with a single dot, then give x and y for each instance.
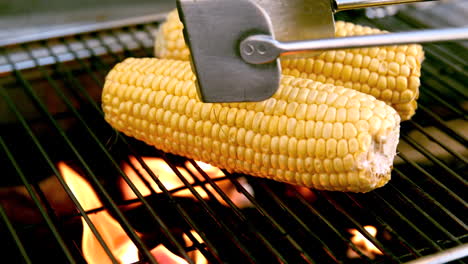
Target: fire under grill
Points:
(72, 189)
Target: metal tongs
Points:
(235, 44)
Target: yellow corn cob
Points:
(170, 42)
(311, 134)
(390, 74)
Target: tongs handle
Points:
(259, 49)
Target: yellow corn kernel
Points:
(317, 148)
(390, 74)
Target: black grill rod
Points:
(262, 211)
(435, 54)
(202, 185)
(455, 86)
(12, 231)
(407, 221)
(28, 186)
(288, 210)
(182, 212)
(405, 198)
(81, 61)
(331, 226)
(93, 135)
(441, 124)
(413, 251)
(442, 57)
(160, 185)
(233, 237)
(427, 154)
(95, 57)
(210, 212)
(438, 142)
(433, 179)
(432, 75)
(424, 194)
(124, 222)
(236, 209)
(359, 227)
(148, 51)
(432, 88)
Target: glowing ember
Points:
(113, 235)
(196, 255)
(171, 181)
(161, 169)
(364, 245)
(307, 193)
(165, 256)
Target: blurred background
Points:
(19, 18)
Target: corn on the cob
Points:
(311, 134)
(390, 74)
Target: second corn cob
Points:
(311, 134)
(390, 74)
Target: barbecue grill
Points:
(51, 118)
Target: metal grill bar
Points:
(237, 210)
(421, 192)
(13, 233)
(125, 224)
(264, 212)
(427, 154)
(201, 200)
(331, 226)
(108, 155)
(160, 185)
(123, 175)
(183, 213)
(28, 187)
(413, 208)
(387, 227)
(440, 143)
(359, 227)
(433, 179)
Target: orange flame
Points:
(196, 255)
(364, 245)
(123, 249)
(171, 181)
(165, 256)
(110, 230)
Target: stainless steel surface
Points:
(295, 20)
(445, 256)
(341, 5)
(300, 19)
(213, 30)
(80, 29)
(259, 49)
(222, 73)
(20, 19)
(18, 58)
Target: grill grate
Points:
(49, 103)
